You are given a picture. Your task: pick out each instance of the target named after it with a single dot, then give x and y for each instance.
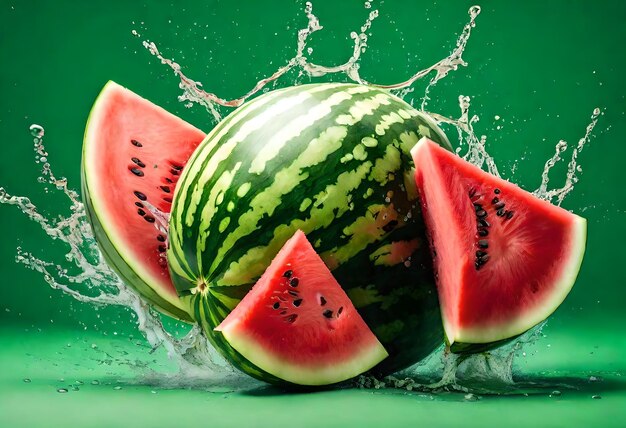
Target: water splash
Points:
(557, 195)
(97, 284)
(91, 281)
(193, 90)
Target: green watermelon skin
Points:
(334, 161)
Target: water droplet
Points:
(62, 390)
(555, 393)
(596, 397)
(594, 379)
(117, 388)
(471, 397)
(474, 11)
(596, 111)
(27, 380)
(36, 131)
(95, 382)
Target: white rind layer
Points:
(322, 374)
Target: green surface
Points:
(56, 358)
(541, 66)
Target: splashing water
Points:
(199, 364)
(193, 92)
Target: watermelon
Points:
(298, 324)
(332, 160)
(505, 259)
(133, 154)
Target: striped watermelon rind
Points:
(334, 161)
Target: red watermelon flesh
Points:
(298, 324)
(133, 154)
(504, 259)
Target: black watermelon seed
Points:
(288, 273)
(500, 212)
(480, 253)
(340, 310)
(509, 215)
(328, 313)
(136, 143)
(141, 212)
(168, 180)
(140, 195)
(483, 232)
(478, 265)
(499, 205)
(177, 167)
(276, 305)
(477, 206)
(496, 191)
(149, 219)
(322, 301)
(481, 213)
(138, 162)
(297, 302)
(484, 259)
(167, 199)
(162, 249)
(495, 200)
(139, 204)
(291, 318)
(483, 243)
(161, 238)
(137, 172)
(294, 282)
(166, 189)
(174, 172)
(390, 226)
(293, 293)
(484, 223)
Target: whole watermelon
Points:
(334, 161)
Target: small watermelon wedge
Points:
(504, 259)
(133, 154)
(298, 325)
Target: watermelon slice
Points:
(504, 259)
(298, 325)
(133, 153)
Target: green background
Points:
(541, 66)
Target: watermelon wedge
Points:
(504, 259)
(133, 154)
(298, 325)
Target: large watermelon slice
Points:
(505, 259)
(133, 153)
(298, 325)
